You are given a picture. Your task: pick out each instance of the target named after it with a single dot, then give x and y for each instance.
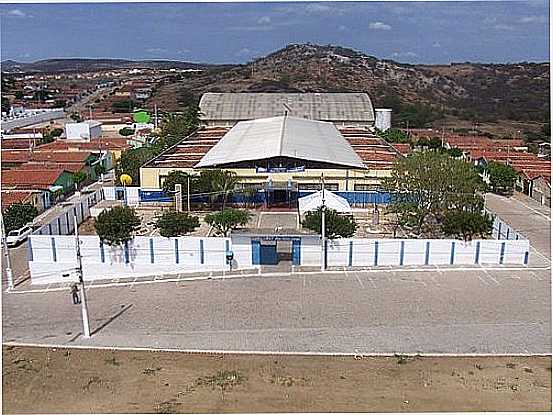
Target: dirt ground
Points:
(46, 380)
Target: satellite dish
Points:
(125, 179)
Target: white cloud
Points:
(342, 28)
(16, 13)
(156, 50)
(489, 20)
(503, 27)
(244, 52)
(264, 20)
(311, 8)
(379, 26)
(317, 8)
(404, 55)
(533, 19)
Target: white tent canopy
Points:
(332, 201)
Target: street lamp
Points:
(323, 245)
(9, 273)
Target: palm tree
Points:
(223, 183)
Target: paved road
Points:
(526, 216)
(488, 311)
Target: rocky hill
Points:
(467, 90)
(91, 65)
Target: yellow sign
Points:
(125, 179)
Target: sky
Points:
(410, 32)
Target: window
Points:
(365, 188)
(333, 187)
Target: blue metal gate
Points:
(296, 251)
(269, 255)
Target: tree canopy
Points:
(18, 215)
(172, 224)
(429, 184)
(227, 220)
(335, 225)
(117, 225)
(502, 177)
(467, 224)
(394, 135)
(126, 131)
(174, 128)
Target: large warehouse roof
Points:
(314, 106)
(283, 136)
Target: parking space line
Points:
(490, 277)
(361, 283)
(317, 274)
(487, 284)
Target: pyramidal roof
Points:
(282, 136)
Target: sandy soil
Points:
(75, 381)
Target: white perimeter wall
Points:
(63, 224)
(398, 252)
(52, 256)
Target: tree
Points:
(429, 184)
(227, 219)
(79, 177)
(502, 177)
(172, 224)
(51, 135)
(75, 116)
(467, 224)
(335, 225)
(131, 160)
(175, 127)
(394, 135)
(223, 183)
(117, 225)
(18, 215)
(126, 131)
(123, 106)
(432, 143)
(455, 152)
(6, 105)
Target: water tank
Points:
(383, 118)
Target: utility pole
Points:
(178, 197)
(84, 306)
(188, 192)
(9, 273)
(155, 116)
(323, 229)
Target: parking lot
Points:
(497, 310)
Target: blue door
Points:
(296, 252)
(269, 255)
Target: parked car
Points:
(19, 235)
